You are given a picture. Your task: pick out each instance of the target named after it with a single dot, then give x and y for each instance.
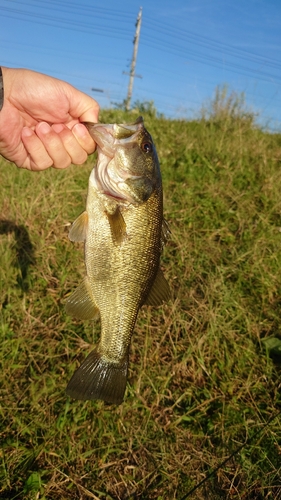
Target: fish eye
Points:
(146, 147)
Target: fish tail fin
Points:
(98, 378)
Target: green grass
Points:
(201, 382)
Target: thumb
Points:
(82, 106)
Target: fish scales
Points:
(122, 253)
(124, 276)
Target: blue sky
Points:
(186, 49)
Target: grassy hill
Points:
(204, 375)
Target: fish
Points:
(124, 231)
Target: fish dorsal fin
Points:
(159, 292)
(79, 227)
(117, 226)
(81, 302)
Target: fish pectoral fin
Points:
(117, 226)
(78, 230)
(98, 378)
(159, 292)
(81, 302)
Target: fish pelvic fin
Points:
(98, 378)
(80, 303)
(78, 230)
(159, 292)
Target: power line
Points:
(112, 14)
(162, 28)
(189, 54)
(156, 35)
(150, 41)
(156, 26)
(65, 24)
(207, 42)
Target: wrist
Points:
(9, 79)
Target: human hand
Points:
(40, 122)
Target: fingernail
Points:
(80, 130)
(44, 127)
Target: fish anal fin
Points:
(98, 378)
(81, 303)
(159, 292)
(117, 226)
(78, 230)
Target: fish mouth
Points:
(107, 179)
(109, 136)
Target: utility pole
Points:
(134, 60)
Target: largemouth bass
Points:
(124, 231)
